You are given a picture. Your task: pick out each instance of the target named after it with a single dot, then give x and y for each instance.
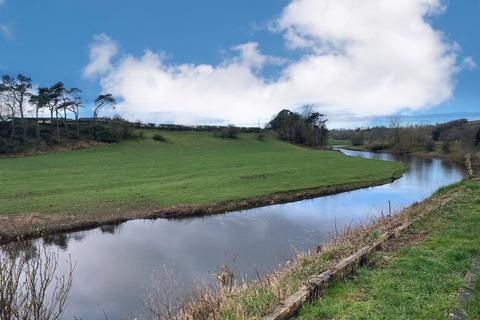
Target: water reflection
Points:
(114, 262)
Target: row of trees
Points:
(18, 99)
(306, 127)
(459, 136)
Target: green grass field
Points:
(190, 168)
(420, 281)
(336, 142)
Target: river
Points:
(114, 263)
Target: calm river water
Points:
(114, 263)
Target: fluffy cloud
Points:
(102, 50)
(370, 57)
(469, 63)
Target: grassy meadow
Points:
(189, 168)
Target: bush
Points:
(446, 148)
(114, 131)
(159, 137)
(376, 146)
(357, 139)
(429, 146)
(7, 147)
(230, 132)
(260, 136)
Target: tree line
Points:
(21, 107)
(455, 138)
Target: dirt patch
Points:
(409, 239)
(44, 149)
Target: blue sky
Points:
(52, 40)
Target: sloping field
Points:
(191, 168)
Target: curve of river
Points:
(114, 263)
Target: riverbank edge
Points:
(26, 230)
(450, 157)
(331, 261)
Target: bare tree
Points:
(395, 125)
(4, 110)
(162, 301)
(8, 102)
(30, 289)
(19, 91)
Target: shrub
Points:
(7, 147)
(376, 146)
(159, 137)
(260, 136)
(446, 148)
(357, 139)
(230, 132)
(429, 146)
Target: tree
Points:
(318, 122)
(308, 127)
(102, 101)
(396, 127)
(8, 101)
(73, 104)
(39, 101)
(54, 96)
(4, 110)
(18, 90)
(65, 104)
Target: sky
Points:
(241, 62)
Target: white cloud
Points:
(469, 63)
(102, 51)
(370, 57)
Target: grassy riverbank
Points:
(190, 170)
(257, 299)
(416, 276)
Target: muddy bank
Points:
(35, 225)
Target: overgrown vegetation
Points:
(307, 128)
